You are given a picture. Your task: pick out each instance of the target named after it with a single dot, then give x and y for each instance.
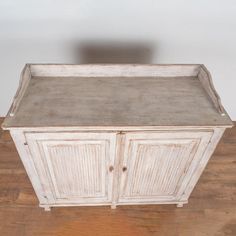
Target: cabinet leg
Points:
(47, 208)
(113, 206)
(180, 204)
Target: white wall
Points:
(180, 31)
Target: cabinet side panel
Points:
(19, 140)
(218, 132)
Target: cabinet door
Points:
(74, 167)
(157, 167)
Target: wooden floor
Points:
(211, 209)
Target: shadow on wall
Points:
(91, 53)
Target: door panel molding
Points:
(74, 167)
(160, 164)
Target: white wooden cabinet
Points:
(115, 134)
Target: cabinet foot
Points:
(47, 208)
(180, 205)
(113, 206)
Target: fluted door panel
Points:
(159, 165)
(74, 167)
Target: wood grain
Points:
(114, 70)
(116, 95)
(116, 101)
(211, 210)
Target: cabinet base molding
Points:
(113, 207)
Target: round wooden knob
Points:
(124, 168)
(111, 168)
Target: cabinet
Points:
(115, 134)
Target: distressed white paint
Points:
(143, 89)
(71, 165)
(162, 166)
(74, 167)
(125, 70)
(158, 164)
